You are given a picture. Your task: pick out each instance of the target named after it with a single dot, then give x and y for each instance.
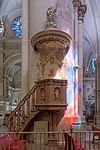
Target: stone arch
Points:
(8, 63)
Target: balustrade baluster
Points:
(19, 117)
(23, 111)
(13, 123)
(9, 124)
(31, 102)
(28, 107)
(33, 97)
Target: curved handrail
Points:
(21, 102)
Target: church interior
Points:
(49, 74)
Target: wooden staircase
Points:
(47, 96)
(23, 113)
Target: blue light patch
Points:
(17, 26)
(93, 65)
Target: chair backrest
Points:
(94, 128)
(69, 142)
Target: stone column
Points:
(25, 72)
(2, 99)
(97, 91)
(76, 4)
(1, 70)
(81, 14)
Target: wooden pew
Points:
(96, 135)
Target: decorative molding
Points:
(81, 12)
(50, 35)
(12, 46)
(76, 4)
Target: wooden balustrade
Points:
(17, 116)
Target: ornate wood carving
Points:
(51, 94)
(52, 45)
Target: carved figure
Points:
(43, 94)
(51, 15)
(57, 93)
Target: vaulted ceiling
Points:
(91, 31)
(92, 24)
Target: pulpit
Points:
(51, 95)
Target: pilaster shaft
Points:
(76, 4)
(25, 72)
(1, 70)
(97, 86)
(81, 15)
(97, 91)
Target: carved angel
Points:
(51, 15)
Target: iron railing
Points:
(66, 140)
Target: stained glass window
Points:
(93, 65)
(17, 26)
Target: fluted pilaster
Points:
(81, 14)
(76, 4)
(25, 53)
(1, 70)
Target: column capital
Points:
(81, 12)
(76, 4)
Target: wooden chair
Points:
(72, 143)
(96, 135)
(69, 142)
